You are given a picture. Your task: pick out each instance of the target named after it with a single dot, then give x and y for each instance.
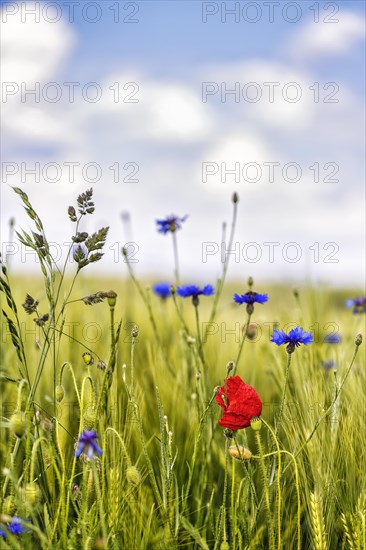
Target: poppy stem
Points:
(266, 491)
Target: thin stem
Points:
(199, 340)
(176, 258)
(266, 491)
(221, 280)
(242, 343)
(283, 394)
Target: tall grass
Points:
(144, 378)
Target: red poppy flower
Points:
(240, 403)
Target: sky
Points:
(168, 107)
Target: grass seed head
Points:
(133, 475)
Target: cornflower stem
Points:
(199, 339)
(221, 280)
(278, 423)
(176, 258)
(242, 343)
(266, 491)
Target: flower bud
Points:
(358, 340)
(225, 545)
(251, 331)
(89, 418)
(60, 393)
(133, 475)
(18, 423)
(88, 358)
(229, 367)
(256, 423)
(235, 198)
(239, 452)
(112, 298)
(250, 282)
(72, 213)
(229, 434)
(135, 331)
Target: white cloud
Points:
(164, 111)
(170, 132)
(328, 38)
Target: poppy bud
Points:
(256, 424)
(133, 475)
(239, 452)
(18, 423)
(235, 198)
(229, 367)
(229, 434)
(112, 298)
(60, 393)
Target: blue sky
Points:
(169, 133)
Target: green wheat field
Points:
(82, 354)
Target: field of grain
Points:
(109, 428)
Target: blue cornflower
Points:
(195, 291)
(87, 442)
(171, 223)
(250, 298)
(358, 305)
(333, 338)
(327, 365)
(293, 339)
(16, 527)
(162, 289)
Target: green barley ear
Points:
(89, 418)
(31, 494)
(114, 498)
(316, 509)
